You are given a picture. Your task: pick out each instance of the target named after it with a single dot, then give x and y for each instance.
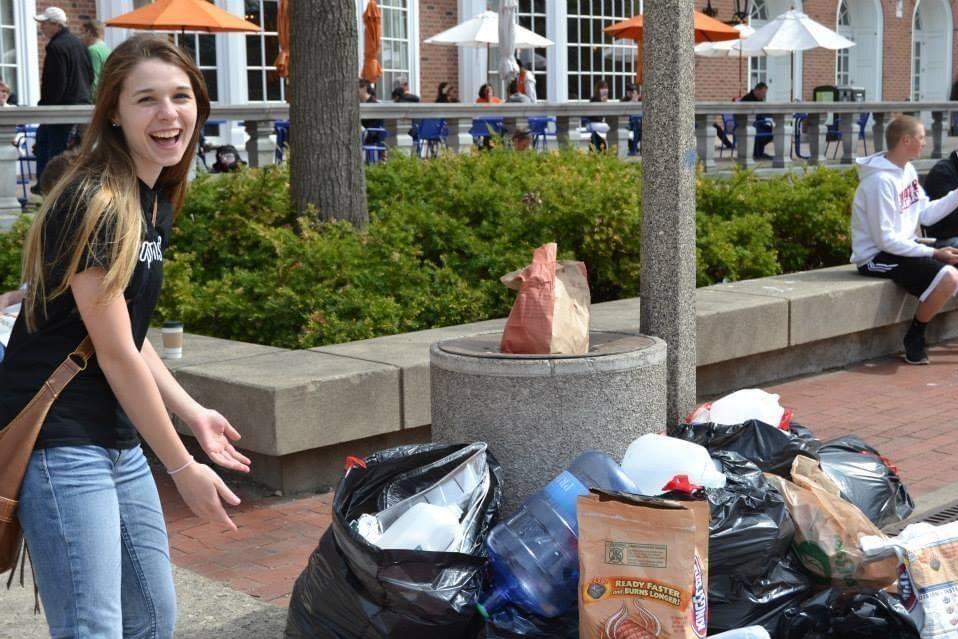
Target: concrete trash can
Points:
(537, 412)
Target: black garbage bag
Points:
(351, 589)
(750, 529)
(866, 479)
(835, 614)
(511, 622)
(736, 601)
(768, 447)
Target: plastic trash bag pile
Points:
(417, 547)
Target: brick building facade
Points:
(883, 62)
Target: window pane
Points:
(254, 51)
(273, 86)
(254, 79)
(210, 76)
(272, 49)
(6, 12)
(207, 50)
(270, 11)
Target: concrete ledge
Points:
(300, 412)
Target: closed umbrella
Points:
(508, 69)
(282, 31)
(182, 15)
(706, 29)
(372, 42)
(790, 32)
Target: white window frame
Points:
(265, 66)
(606, 69)
(843, 57)
(383, 92)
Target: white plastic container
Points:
(741, 406)
(750, 632)
(652, 461)
(423, 527)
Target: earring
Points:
(115, 124)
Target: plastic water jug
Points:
(534, 554)
(743, 405)
(750, 632)
(652, 461)
(423, 527)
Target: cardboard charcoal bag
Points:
(643, 567)
(551, 313)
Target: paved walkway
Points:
(907, 412)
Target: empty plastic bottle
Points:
(652, 461)
(534, 554)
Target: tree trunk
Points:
(326, 164)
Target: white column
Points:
(415, 82)
(106, 9)
(558, 54)
(28, 66)
(232, 84)
(472, 62)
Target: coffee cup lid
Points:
(172, 324)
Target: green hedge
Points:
(243, 266)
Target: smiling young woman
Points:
(93, 263)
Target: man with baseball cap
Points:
(67, 77)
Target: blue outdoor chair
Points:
(484, 129)
(281, 128)
(798, 121)
(834, 133)
(541, 126)
(429, 134)
(635, 141)
(26, 139)
(374, 144)
(728, 129)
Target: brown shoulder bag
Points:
(16, 445)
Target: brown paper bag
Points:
(827, 529)
(551, 312)
(643, 567)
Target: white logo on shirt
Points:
(151, 251)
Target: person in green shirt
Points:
(99, 51)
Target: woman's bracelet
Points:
(183, 467)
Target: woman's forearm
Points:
(177, 400)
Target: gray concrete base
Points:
(538, 412)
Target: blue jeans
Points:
(93, 524)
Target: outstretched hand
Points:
(947, 254)
(214, 434)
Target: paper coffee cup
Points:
(172, 340)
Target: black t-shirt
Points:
(87, 412)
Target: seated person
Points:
(521, 139)
(889, 204)
(517, 96)
(401, 91)
(367, 95)
(942, 179)
(227, 160)
(763, 125)
(487, 95)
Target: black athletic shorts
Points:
(917, 275)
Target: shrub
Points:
(243, 265)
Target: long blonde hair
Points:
(103, 185)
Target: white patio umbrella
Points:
(790, 32)
(724, 49)
(508, 69)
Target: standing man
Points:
(98, 50)
(67, 78)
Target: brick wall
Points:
(437, 63)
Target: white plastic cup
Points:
(652, 461)
(172, 340)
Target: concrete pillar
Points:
(937, 129)
(260, 149)
(668, 195)
(744, 140)
(538, 412)
(9, 158)
(817, 129)
(781, 138)
(878, 131)
(846, 125)
(459, 139)
(399, 138)
(705, 137)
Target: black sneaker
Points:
(915, 352)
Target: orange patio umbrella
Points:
(372, 42)
(282, 30)
(706, 29)
(182, 15)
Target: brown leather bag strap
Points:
(75, 363)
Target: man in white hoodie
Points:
(888, 207)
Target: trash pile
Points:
(738, 523)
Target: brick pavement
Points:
(903, 411)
